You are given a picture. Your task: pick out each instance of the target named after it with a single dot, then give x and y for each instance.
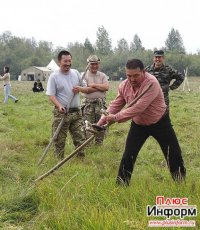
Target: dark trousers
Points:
(38, 90)
(164, 133)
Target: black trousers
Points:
(164, 133)
(37, 90)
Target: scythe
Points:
(60, 124)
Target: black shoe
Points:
(16, 100)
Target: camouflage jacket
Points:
(165, 76)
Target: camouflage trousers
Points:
(73, 123)
(91, 110)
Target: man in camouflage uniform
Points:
(164, 74)
(61, 89)
(94, 95)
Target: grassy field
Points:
(82, 194)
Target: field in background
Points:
(82, 194)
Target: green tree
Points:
(103, 42)
(178, 61)
(136, 44)
(79, 54)
(174, 42)
(88, 46)
(114, 65)
(5, 37)
(122, 46)
(21, 53)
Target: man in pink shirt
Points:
(149, 118)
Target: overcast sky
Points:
(64, 21)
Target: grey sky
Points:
(64, 21)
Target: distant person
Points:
(62, 93)
(94, 100)
(38, 86)
(168, 78)
(7, 85)
(149, 118)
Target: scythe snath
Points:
(60, 124)
(89, 139)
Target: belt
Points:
(73, 110)
(93, 101)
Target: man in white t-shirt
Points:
(61, 89)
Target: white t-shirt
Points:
(61, 85)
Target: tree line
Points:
(20, 53)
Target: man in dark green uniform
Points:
(165, 75)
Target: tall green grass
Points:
(83, 194)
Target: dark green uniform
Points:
(165, 75)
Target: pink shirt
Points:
(148, 109)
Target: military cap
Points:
(158, 53)
(93, 59)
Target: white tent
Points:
(52, 65)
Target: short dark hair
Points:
(63, 52)
(7, 69)
(134, 64)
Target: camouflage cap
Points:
(158, 53)
(93, 59)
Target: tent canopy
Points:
(52, 65)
